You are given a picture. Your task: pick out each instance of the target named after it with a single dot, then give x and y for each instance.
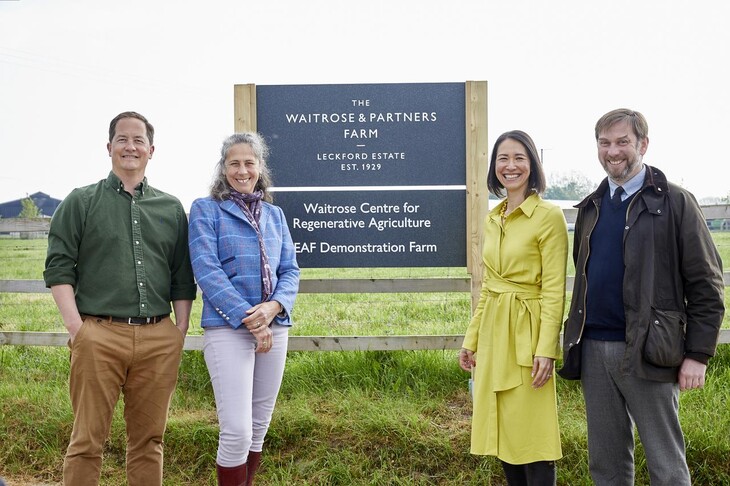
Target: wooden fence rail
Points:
(308, 343)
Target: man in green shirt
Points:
(117, 257)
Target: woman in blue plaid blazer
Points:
(245, 264)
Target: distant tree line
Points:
(571, 187)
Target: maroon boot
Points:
(254, 459)
(231, 476)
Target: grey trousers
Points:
(614, 403)
(245, 385)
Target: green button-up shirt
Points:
(125, 255)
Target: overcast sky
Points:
(68, 66)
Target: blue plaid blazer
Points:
(226, 260)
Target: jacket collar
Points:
(232, 208)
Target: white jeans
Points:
(245, 385)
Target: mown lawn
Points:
(343, 418)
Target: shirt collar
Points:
(527, 206)
(632, 185)
(117, 184)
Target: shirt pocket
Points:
(665, 338)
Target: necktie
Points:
(616, 198)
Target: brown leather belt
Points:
(133, 321)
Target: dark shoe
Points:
(231, 476)
(254, 459)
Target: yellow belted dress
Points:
(518, 317)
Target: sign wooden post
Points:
(244, 108)
(477, 166)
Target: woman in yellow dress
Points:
(513, 338)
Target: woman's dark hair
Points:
(536, 182)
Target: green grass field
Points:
(343, 418)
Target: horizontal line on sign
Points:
(367, 188)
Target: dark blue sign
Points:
(365, 134)
(376, 228)
(369, 175)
